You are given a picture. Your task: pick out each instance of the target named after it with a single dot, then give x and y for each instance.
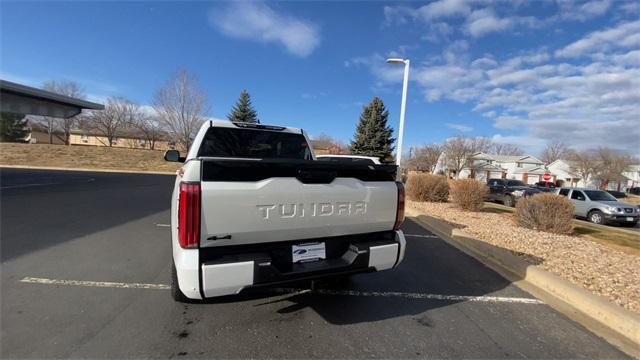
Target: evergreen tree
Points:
(13, 127)
(243, 111)
(373, 137)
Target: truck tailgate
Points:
(245, 201)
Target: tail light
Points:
(189, 215)
(400, 209)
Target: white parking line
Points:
(163, 225)
(422, 236)
(103, 284)
(411, 295)
(386, 294)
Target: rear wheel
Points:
(508, 201)
(596, 217)
(176, 294)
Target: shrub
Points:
(468, 194)
(545, 212)
(427, 187)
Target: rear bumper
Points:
(228, 270)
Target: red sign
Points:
(546, 177)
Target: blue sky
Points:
(519, 72)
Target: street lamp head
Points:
(396, 61)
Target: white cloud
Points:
(532, 95)
(484, 21)
(257, 21)
(622, 36)
(444, 8)
(459, 127)
(582, 11)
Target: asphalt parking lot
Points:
(86, 262)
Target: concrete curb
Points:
(617, 325)
(86, 170)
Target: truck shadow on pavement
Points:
(431, 268)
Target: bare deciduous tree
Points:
(478, 144)
(506, 149)
(181, 106)
(118, 114)
(584, 163)
(334, 146)
(425, 158)
(150, 128)
(458, 151)
(553, 151)
(53, 125)
(610, 166)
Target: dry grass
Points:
(427, 187)
(545, 212)
(468, 194)
(631, 199)
(84, 157)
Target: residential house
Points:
(483, 166)
(633, 176)
(565, 170)
(566, 174)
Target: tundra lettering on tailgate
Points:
(286, 211)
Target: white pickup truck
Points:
(251, 206)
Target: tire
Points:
(176, 294)
(508, 201)
(596, 217)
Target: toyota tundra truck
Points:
(251, 207)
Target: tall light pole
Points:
(405, 83)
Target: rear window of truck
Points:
(254, 143)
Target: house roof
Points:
(517, 158)
(536, 170)
(22, 99)
(507, 158)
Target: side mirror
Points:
(173, 156)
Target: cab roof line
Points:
(258, 126)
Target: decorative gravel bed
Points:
(604, 271)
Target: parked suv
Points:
(509, 191)
(600, 207)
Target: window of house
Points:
(114, 141)
(84, 138)
(519, 165)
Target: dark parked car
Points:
(634, 190)
(509, 191)
(545, 186)
(617, 194)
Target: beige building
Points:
(129, 138)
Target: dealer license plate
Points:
(629, 218)
(308, 252)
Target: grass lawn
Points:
(616, 237)
(84, 157)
